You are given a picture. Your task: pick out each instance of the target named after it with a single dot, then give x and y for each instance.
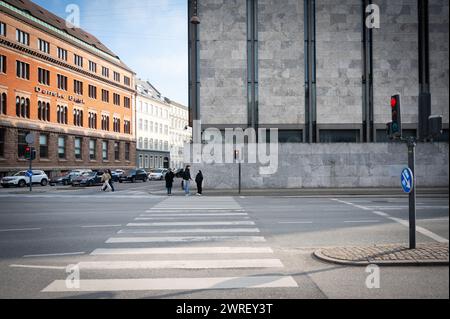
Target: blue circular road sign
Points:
(407, 180)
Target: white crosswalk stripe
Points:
(215, 222)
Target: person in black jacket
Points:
(187, 180)
(169, 181)
(199, 182)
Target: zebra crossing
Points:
(191, 234)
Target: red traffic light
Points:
(394, 102)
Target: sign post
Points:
(30, 140)
(238, 158)
(409, 187)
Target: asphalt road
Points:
(130, 244)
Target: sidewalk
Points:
(318, 192)
(429, 254)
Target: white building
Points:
(180, 133)
(152, 127)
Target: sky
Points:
(150, 36)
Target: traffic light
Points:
(27, 152)
(30, 153)
(396, 126)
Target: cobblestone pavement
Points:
(424, 254)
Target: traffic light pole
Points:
(31, 170)
(412, 196)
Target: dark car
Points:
(64, 179)
(88, 179)
(133, 176)
(116, 175)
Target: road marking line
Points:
(195, 208)
(182, 251)
(182, 264)
(295, 222)
(38, 267)
(143, 284)
(361, 221)
(54, 255)
(18, 229)
(177, 218)
(100, 226)
(403, 222)
(380, 214)
(189, 231)
(117, 240)
(194, 215)
(221, 223)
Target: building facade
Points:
(152, 127)
(66, 87)
(313, 69)
(180, 133)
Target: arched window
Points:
(3, 103)
(17, 106)
(58, 114)
(65, 115)
(22, 107)
(81, 118)
(27, 108)
(39, 110)
(48, 112)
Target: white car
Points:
(21, 179)
(157, 174)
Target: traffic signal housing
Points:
(396, 126)
(30, 153)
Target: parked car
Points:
(157, 174)
(88, 179)
(20, 179)
(65, 179)
(133, 176)
(116, 174)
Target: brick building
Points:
(65, 86)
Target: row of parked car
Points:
(82, 177)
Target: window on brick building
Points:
(22, 70)
(21, 143)
(61, 114)
(2, 29)
(78, 117)
(105, 72)
(116, 76)
(44, 46)
(92, 120)
(126, 102)
(92, 92)
(62, 147)
(127, 81)
(3, 103)
(2, 64)
(92, 150)
(62, 54)
(117, 151)
(44, 111)
(127, 151)
(116, 99)
(43, 146)
(105, 96)
(22, 37)
(105, 150)
(22, 107)
(93, 67)
(62, 82)
(44, 76)
(2, 142)
(78, 87)
(78, 60)
(78, 142)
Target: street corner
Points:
(426, 254)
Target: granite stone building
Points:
(312, 69)
(66, 87)
(322, 72)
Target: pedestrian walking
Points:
(111, 181)
(169, 181)
(199, 182)
(105, 180)
(187, 180)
